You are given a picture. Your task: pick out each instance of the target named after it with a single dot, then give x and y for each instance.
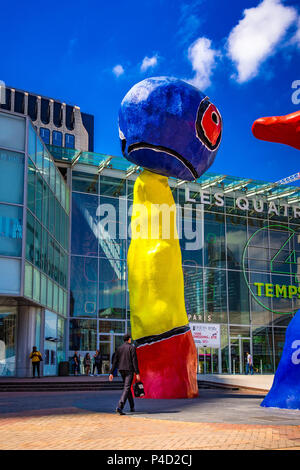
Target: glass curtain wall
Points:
(98, 277)
(227, 253)
(47, 229)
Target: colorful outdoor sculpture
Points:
(169, 128)
(285, 390)
(280, 129)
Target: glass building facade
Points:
(64, 243)
(240, 251)
(34, 248)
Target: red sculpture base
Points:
(169, 367)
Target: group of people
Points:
(90, 364)
(124, 359)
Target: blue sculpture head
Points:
(169, 127)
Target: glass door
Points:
(208, 360)
(235, 355)
(108, 343)
(244, 348)
(238, 349)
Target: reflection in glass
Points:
(238, 298)
(262, 349)
(11, 227)
(85, 240)
(215, 295)
(236, 232)
(83, 335)
(214, 239)
(11, 177)
(193, 293)
(112, 288)
(85, 182)
(110, 186)
(279, 341)
(8, 316)
(83, 289)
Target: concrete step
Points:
(70, 386)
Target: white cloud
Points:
(257, 36)
(118, 70)
(203, 59)
(149, 62)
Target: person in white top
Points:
(249, 364)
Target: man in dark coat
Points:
(125, 360)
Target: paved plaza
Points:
(218, 419)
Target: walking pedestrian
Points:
(36, 358)
(87, 363)
(97, 362)
(125, 360)
(249, 364)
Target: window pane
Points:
(262, 350)
(110, 186)
(84, 275)
(31, 186)
(83, 335)
(11, 177)
(28, 280)
(112, 288)
(10, 276)
(84, 182)
(85, 240)
(57, 138)
(37, 244)
(12, 132)
(236, 228)
(39, 197)
(238, 298)
(30, 237)
(36, 284)
(45, 135)
(214, 239)
(32, 143)
(39, 155)
(43, 290)
(11, 227)
(69, 141)
(8, 320)
(193, 292)
(111, 327)
(215, 295)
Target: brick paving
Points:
(217, 420)
(75, 429)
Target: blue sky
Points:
(244, 55)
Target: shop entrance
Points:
(238, 348)
(107, 344)
(208, 360)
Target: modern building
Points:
(64, 242)
(34, 249)
(58, 124)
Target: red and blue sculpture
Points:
(171, 129)
(285, 390)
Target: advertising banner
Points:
(206, 334)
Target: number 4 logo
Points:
(280, 263)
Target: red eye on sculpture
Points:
(209, 124)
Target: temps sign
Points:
(206, 335)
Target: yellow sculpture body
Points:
(156, 289)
